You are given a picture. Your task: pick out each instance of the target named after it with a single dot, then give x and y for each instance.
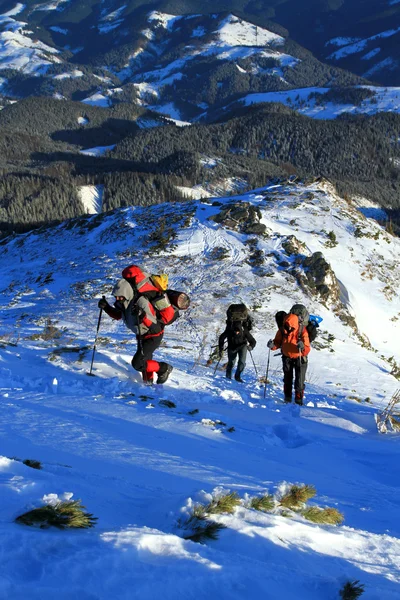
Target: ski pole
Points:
(266, 374)
(95, 340)
(254, 364)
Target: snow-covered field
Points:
(138, 465)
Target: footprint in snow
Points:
(290, 436)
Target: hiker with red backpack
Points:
(239, 339)
(145, 309)
(293, 339)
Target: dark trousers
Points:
(299, 368)
(145, 351)
(241, 354)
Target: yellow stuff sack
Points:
(160, 281)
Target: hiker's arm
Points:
(306, 341)
(277, 340)
(112, 312)
(251, 340)
(222, 339)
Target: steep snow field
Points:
(139, 465)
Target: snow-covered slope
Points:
(304, 101)
(139, 464)
(18, 48)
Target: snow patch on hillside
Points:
(91, 197)
(97, 150)
(360, 45)
(97, 99)
(387, 63)
(53, 5)
(76, 73)
(18, 51)
(234, 31)
(386, 99)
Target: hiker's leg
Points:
(242, 354)
(300, 378)
(231, 361)
(143, 358)
(287, 378)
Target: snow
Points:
(386, 99)
(387, 63)
(73, 75)
(91, 196)
(234, 31)
(342, 41)
(59, 30)
(19, 7)
(83, 120)
(361, 44)
(97, 151)
(55, 5)
(233, 39)
(20, 52)
(371, 54)
(97, 99)
(164, 20)
(139, 466)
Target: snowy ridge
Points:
(139, 466)
(18, 50)
(385, 99)
(232, 40)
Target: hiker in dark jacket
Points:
(139, 316)
(239, 339)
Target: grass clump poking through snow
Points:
(201, 527)
(64, 515)
(297, 495)
(263, 503)
(325, 516)
(223, 504)
(352, 590)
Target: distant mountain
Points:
(87, 92)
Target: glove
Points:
(300, 345)
(270, 344)
(303, 360)
(251, 347)
(103, 303)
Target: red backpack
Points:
(166, 303)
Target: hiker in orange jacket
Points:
(294, 343)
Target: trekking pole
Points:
(219, 360)
(95, 341)
(254, 364)
(266, 374)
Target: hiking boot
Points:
(298, 398)
(228, 375)
(239, 379)
(288, 399)
(164, 372)
(146, 379)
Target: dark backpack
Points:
(304, 321)
(239, 313)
